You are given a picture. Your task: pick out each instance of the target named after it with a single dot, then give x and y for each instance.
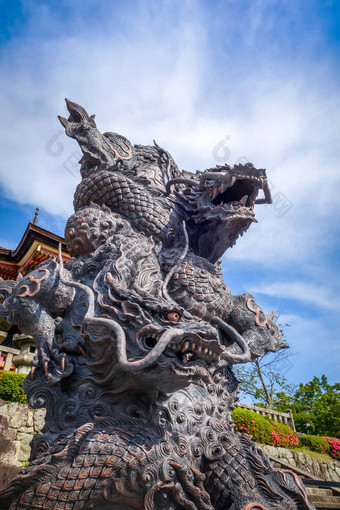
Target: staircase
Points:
(324, 495)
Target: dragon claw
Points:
(45, 364)
(175, 465)
(196, 472)
(63, 362)
(34, 365)
(81, 350)
(187, 493)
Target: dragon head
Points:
(162, 348)
(129, 324)
(108, 149)
(218, 206)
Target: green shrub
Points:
(314, 443)
(263, 429)
(12, 387)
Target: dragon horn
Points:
(77, 112)
(65, 123)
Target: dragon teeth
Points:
(190, 348)
(186, 346)
(214, 193)
(243, 200)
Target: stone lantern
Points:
(27, 351)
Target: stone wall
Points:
(18, 424)
(23, 423)
(320, 466)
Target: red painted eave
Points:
(32, 233)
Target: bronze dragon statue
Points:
(137, 336)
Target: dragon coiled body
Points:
(146, 213)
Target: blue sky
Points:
(232, 80)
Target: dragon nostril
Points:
(150, 342)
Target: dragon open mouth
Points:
(195, 350)
(219, 200)
(243, 193)
(187, 349)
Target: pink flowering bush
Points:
(283, 435)
(328, 445)
(334, 447)
(264, 430)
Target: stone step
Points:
(327, 506)
(326, 499)
(316, 491)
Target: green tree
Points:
(316, 407)
(264, 381)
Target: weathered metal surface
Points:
(137, 336)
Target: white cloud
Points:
(317, 295)
(141, 86)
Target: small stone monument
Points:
(25, 344)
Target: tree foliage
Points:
(264, 382)
(316, 407)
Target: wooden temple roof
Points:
(35, 246)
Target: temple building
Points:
(36, 246)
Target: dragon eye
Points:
(77, 270)
(173, 316)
